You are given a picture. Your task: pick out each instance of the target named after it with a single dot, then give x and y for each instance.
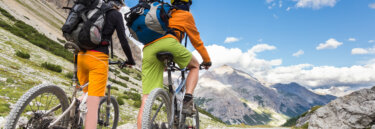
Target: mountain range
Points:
(237, 97)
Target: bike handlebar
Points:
(120, 64)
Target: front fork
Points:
(108, 106)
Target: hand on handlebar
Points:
(205, 65)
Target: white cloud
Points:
(359, 51)
(231, 39)
(288, 9)
(261, 47)
(269, 1)
(372, 5)
(329, 44)
(363, 51)
(244, 60)
(298, 53)
(371, 41)
(352, 39)
(336, 91)
(315, 4)
(308, 75)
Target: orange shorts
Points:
(92, 67)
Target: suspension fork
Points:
(108, 106)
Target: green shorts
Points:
(152, 68)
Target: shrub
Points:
(24, 55)
(10, 80)
(114, 71)
(120, 101)
(114, 88)
(52, 67)
(124, 78)
(118, 82)
(137, 104)
(133, 96)
(133, 89)
(61, 40)
(69, 75)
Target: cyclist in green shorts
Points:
(181, 22)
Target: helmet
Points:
(178, 1)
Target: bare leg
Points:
(92, 112)
(192, 78)
(139, 120)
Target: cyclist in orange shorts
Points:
(92, 65)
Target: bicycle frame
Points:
(176, 95)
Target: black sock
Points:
(188, 97)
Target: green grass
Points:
(69, 75)
(120, 101)
(118, 82)
(124, 78)
(210, 115)
(52, 67)
(24, 55)
(61, 40)
(27, 32)
(4, 108)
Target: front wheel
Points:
(157, 110)
(110, 111)
(38, 107)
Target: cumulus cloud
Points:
(315, 4)
(352, 39)
(329, 44)
(272, 71)
(371, 41)
(231, 39)
(372, 5)
(336, 91)
(261, 47)
(244, 60)
(298, 53)
(363, 51)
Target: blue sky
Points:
(280, 28)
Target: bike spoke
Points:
(156, 113)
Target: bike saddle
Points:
(164, 55)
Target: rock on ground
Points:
(356, 110)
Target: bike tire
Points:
(31, 94)
(147, 110)
(115, 106)
(195, 117)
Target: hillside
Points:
(47, 16)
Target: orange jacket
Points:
(184, 21)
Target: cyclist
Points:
(181, 22)
(92, 65)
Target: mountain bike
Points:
(47, 106)
(163, 107)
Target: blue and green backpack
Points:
(148, 20)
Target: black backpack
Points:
(85, 23)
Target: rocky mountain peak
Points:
(355, 110)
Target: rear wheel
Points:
(38, 107)
(112, 113)
(157, 110)
(190, 122)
